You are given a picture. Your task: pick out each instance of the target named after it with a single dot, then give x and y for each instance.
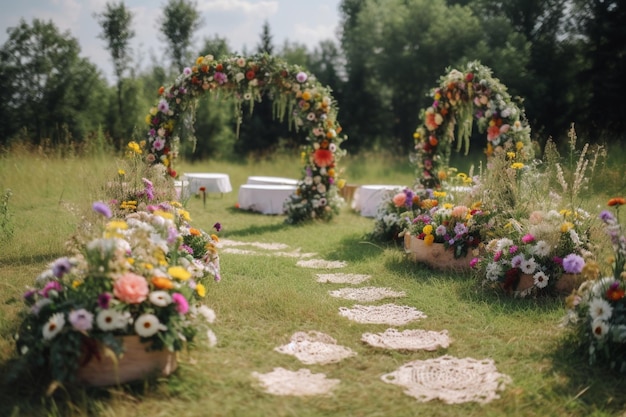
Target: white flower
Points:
(503, 243)
(207, 313)
(541, 279)
(160, 298)
(53, 326)
(528, 266)
(600, 309)
(212, 338)
(108, 320)
(493, 271)
(599, 328)
(541, 248)
(148, 325)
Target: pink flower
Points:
(474, 262)
(497, 256)
(131, 288)
(527, 238)
(399, 199)
(182, 306)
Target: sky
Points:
(239, 21)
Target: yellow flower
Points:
(517, 165)
(566, 227)
(134, 146)
(164, 214)
(416, 135)
(153, 111)
(148, 266)
(201, 290)
(429, 239)
(131, 261)
(121, 172)
(428, 229)
(510, 155)
(148, 119)
(448, 205)
(184, 214)
(306, 95)
(519, 145)
(215, 238)
(199, 60)
(461, 175)
(341, 183)
(439, 194)
(565, 213)
(76, 283)
(116, 225)
(179, 272)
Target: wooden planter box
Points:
(435, 256)
(135, 364)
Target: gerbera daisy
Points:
(323, 157)
(541, 279)
(53, 326)
(600, 309)
(148, 325)
(160, 298)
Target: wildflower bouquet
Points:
(457, 227)
(145, 274)
(597, 310)
(395, 214)
(544, 248)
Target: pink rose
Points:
(131, 288)
(399, 199)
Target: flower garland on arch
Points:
(461, 98)
(308, 105)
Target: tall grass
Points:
(262, 300)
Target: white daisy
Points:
(212, 338)
(493, 271)
(600, 309)
(160, 298)
(53, 326)
(542, 248)
(541, 279)
(207, 313)
(148, 325)
(503, 243)
(107, 320)
(599, 328)
(528, 266)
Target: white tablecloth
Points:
(214, 183)
(182, 189)
(264, 198)
(367, 198)
(272, 181)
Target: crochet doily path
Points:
(450, 380)
(259, 245)
(342, 278)
(298, 383)
(408, 339)
(315, 348)
(321, 264)
(366, 293)
(391, 314)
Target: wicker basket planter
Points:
(135, 364)
(435, 255)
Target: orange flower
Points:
(615, 294)
(161, 90)
(433, 140)
(323, 158)
(194, 232)
(162, 283)
(617, 201)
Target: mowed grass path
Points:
(262, 300)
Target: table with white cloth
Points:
(367, 198)
(212, 182)
(272, 180)
(264, 198)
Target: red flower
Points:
(617, 201)
(615, 294)
(203, 189)
(323, 158)
(250, 75)
(219, 67)
(469, 77)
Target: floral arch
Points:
(462, 97)
(308, 105)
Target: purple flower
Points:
(81, 319)
(440, 230)
(172, 235)
(301, 77)
(513, 249)
(163, 106)
(573, 264)
(460, 229)
(607, 217)
(187, 71)
(102, 208)
(187, 249)
(182, 306)
(61, 267)
(217, 226)
(103, 300)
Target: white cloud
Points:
(312, 35)
(260, 9)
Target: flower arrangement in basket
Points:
(537, 253)
(395, 214)
(145, 274)
(597, 310)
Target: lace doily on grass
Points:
(298, 383)
(343, 278)
(293, 254)
(366, 293)
(322, 264)
(408, 339)
(450, 380)
(259, 245)
(315, 348)
(391, 314)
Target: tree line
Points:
(562, 60)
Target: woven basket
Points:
(133, 365)
(435, 255)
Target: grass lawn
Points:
(264, 298)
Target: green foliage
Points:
(180, 20)
(7, 227)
